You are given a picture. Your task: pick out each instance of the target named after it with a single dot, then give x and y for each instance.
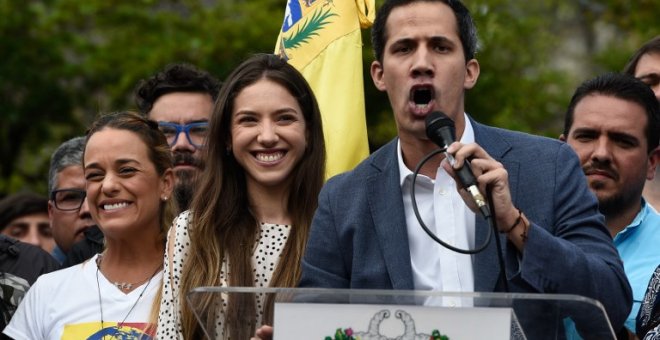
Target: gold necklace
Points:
(98, 287)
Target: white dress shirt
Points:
(443, 211)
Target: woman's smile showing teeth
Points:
(269, 157)
(268, 134)
(114, 206)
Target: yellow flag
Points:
(322, 39)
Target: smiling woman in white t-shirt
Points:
(129, 181)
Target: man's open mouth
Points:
(421, 98)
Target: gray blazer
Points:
(359, 240)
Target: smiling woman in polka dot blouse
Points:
(250, 218)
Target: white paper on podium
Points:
(311, 321)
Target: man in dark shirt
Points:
(20, 266)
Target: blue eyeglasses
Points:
(195, 132)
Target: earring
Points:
(164, 198)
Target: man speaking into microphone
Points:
(365, 233)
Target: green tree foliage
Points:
(33, 105)
(64, 61)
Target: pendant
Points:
(123, 285)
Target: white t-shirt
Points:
(65, 305)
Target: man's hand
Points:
(490, 174)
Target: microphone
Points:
(440, 129)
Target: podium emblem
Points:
(373, 331)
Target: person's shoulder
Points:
(523, 136)
(379, 160)
(183, 219)
(519, 141)
(25, 260)
(50, 281)
(38, 257)
(182, 222)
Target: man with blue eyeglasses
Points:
(180, 98)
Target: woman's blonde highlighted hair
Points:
(222, 224)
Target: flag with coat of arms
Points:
(322, 39)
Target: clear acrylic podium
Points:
(340, 314)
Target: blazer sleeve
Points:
(323, 264)
(576, 254)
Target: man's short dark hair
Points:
(19, 205)
(622, 86)
(174, 78)
(467, 31)
(651, 46)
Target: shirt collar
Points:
(644, 210)
(404, 172)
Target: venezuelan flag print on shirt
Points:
(93, 331)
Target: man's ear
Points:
(562, 138)
(50, 211)
(472, 70)
(377, 75)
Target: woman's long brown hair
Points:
(222, 224)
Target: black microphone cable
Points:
(498, 243)
(490, 218)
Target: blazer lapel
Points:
(388, 215)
